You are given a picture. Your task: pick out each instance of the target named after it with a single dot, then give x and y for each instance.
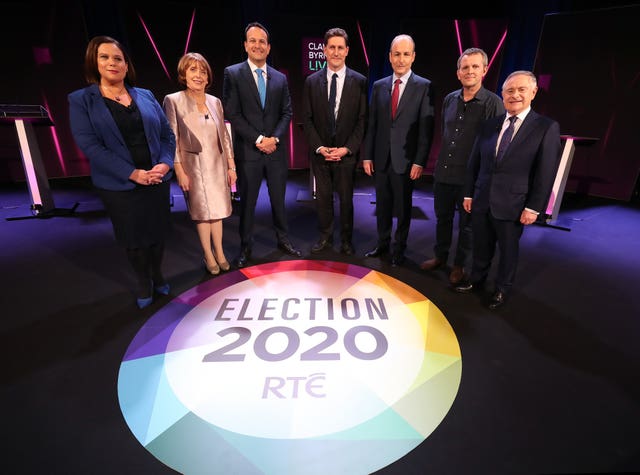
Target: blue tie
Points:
(262, 88)
(506, 138)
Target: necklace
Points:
(117, 97)
(201, 103)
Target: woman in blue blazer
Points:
(124, 133)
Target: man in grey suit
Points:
(511, 170)
(397, 144)
(335, 113)
(258, 105)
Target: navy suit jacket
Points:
(407, 138)
(525, 175)
(248, 119)
(97, 135)
(352, 111)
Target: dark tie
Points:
(506, 138)
(332, 103)
(262, 88)
(395, 95)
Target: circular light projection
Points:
(288, 368)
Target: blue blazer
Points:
(98, 136)
(525, 174)
(243, 110)
(407, 138)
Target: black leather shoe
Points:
(397, 259)
(243, 258)
(286, 246)
(320, 246)
(347, 248)
(377, 251)
(466, 287)
(497, 300)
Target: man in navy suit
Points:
(258, 105)
(397, 144)
(508, 183)
(335, 113)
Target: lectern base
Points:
(562, 224)
(52, 213)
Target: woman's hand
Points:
(232, 176)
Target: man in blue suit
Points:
(258, 105)
(510, 174)
(397, 143)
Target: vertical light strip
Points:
(27, 158)
(495, 53)
(475, 37)
(364, 48)
(154, 46)
(457, 26)
(291, 151)
(193, 17)
(54, 136)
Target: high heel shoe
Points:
(215, 269)
(163, 289)
(144, 302)
(224, 265)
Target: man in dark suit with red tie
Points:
(335, 114)
(510, 174)
(397, 143)
(258, 105)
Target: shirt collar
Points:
(254, 67)
(404, 78)
(522, 115)
(340, 72)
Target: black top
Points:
(129, 122)
(460, 124)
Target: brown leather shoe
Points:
(457, 274)
(431, 264)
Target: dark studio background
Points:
(581, 50)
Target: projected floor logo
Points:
(296, 367)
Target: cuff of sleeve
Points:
(259, 139)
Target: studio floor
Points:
(549, 382)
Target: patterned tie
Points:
(506, 138)
(332, 103)
(262, 88)
(395, 95)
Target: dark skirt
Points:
(140, 217)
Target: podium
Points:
(557, 191)
(25, 117)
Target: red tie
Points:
(395, 94)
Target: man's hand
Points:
(267, 145)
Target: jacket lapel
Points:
(249, 77)
(408, 91)
(524, 130)
(100, 109)
(346, 92)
